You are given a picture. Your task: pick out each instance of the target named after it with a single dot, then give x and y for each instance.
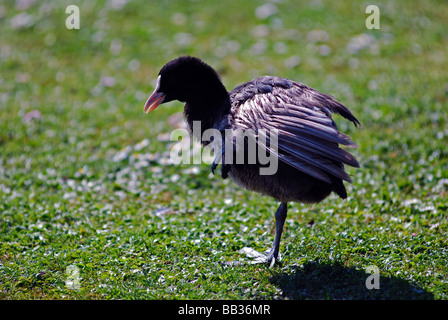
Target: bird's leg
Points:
(280, 217)
(273, 254)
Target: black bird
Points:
(310, 161)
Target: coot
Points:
(289, 120)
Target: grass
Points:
(84, 179)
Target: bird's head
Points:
(186, 79)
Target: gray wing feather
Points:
(308, 137)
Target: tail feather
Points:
(339, 188)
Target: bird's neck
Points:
(208, 104)
(208, 111)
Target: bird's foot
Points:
(258, 257)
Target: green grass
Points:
(138, 228)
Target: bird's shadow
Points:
(317, 281)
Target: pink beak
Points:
(155, 99)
